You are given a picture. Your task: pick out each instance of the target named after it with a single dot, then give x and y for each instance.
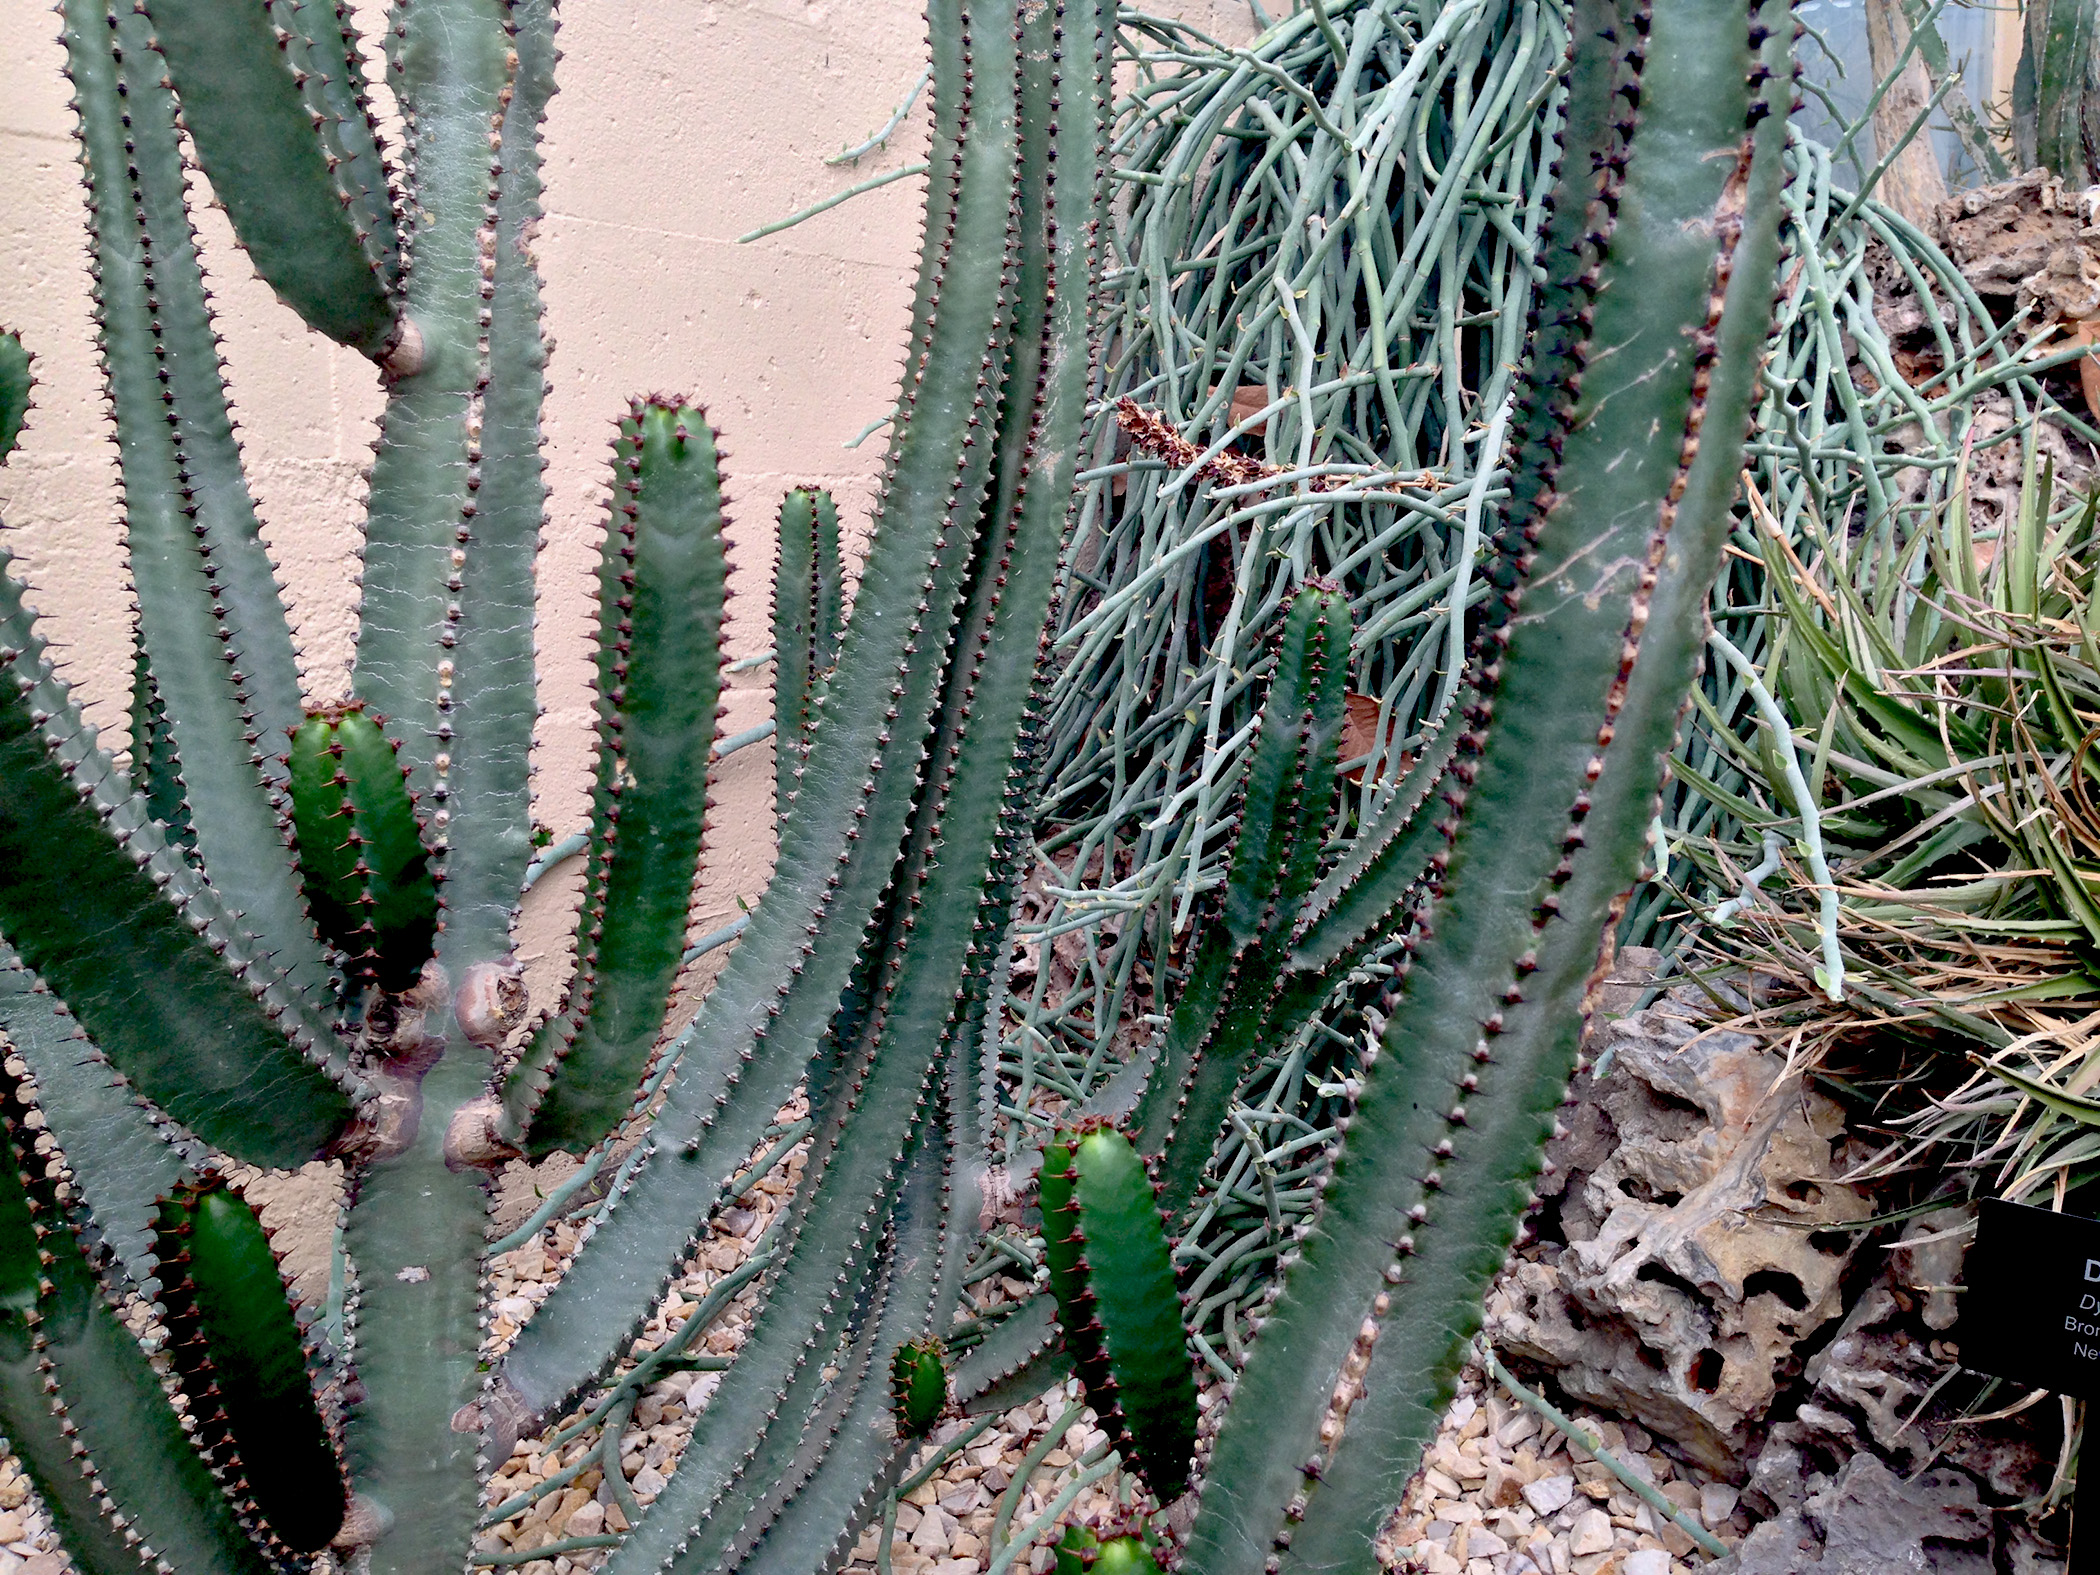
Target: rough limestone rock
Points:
(1869, 1521)
(1689, 1187)
(2001, 236)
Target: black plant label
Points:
(2030, 1307)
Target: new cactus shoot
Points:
(1112, 1273)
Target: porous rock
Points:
(1688, 1189)
(1870, 1521)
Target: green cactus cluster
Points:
(282, 932)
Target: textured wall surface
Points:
(680, 124)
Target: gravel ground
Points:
(1502, 1493)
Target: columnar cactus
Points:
(284, 933)
(280, 934)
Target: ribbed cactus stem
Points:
(1646, 352)
(243, 1361)
(14, 391)
(1112, 1274)
(662, 586)
(360, 845)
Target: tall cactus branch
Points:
(210, 619)
(417, 1221)
(1621, 509)
(744, 1053)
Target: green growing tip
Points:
(229, 1298)
(361, 853)
(1112, 1273)
(918, 1385)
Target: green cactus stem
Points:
(487, 698)
(1289, 795)
(81, 1405)
(361, 853)
(1113, 1276)
(210, 617)
(662, 584)
(327, 59)
(808, 612)
(138, 947)
(849, 1450)
(445, 654)
(1646, 353)
(1227, 1011)
(256, 138)
(124, 1154)
(945, 627)
(14, 391)
(919, 1385)
(243, 1361)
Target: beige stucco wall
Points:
(680, 125)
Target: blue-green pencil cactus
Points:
(281, 932)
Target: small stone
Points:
(1519, 1428)
(934, 1533)
(648, 1482)
(1675, 1538)
(1716, 1503)
(1550, 1495)
(1501, 1487)
(587, 1520)
(1648, 1561)
(1591, 1533)
(48, 1564)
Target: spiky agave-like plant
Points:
(158, 914)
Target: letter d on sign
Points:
(2092, 1269)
